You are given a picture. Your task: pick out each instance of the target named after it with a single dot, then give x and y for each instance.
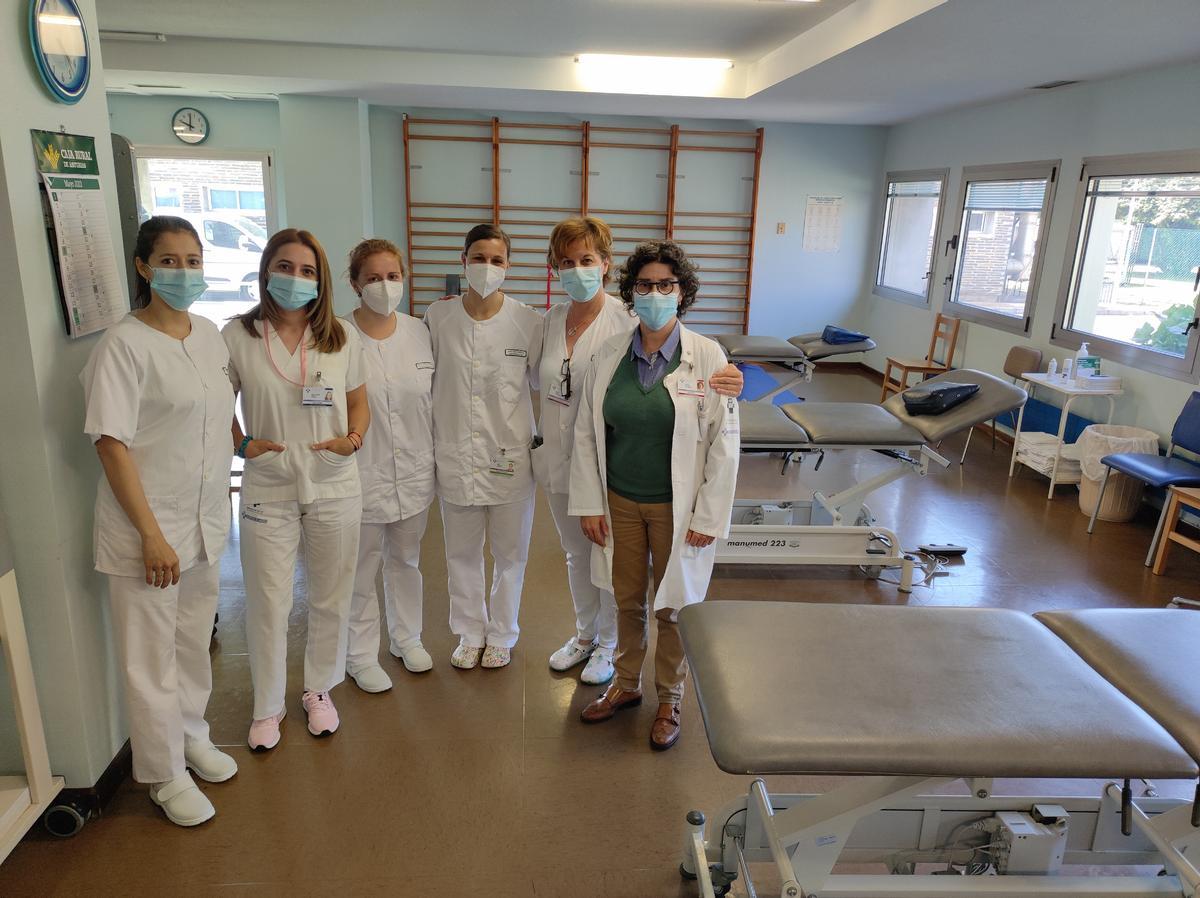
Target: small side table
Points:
(1068, 389)
(1177, 496)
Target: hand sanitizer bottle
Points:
(1052, 368)
(1068, 368)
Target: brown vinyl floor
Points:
(484, 782)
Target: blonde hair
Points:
(328, 335)
(371, 246)
(566, 232)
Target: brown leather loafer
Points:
(665, 731)
(610, 703)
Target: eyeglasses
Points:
(564, 388)
(666, 288)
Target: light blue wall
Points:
(243, 125)
(792, 291)
(1147, 112)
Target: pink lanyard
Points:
(303, 355)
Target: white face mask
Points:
(485, 279)
(382, 297)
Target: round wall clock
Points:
(60, 46)
(190, 125)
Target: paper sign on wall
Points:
(92, 295)
(822, 224)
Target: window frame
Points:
(1187, 368)
(942, 176)
(1049, 169)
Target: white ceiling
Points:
(837, 61)
(723, 28)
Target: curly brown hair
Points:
(670, 254)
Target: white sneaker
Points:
(208, 762)
(570, 654)
(415, 659)
(182, 802)
(599, 669)
(466, 657)
(371, 678)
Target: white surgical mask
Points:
(485, 279)
(382, 297)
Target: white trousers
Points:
(397, 546)
(472, 619)
(595, 608)
(271, 533)
(162, 644)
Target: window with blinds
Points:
(1004, 211)
(910, 220)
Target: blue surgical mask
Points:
(581, 284)
(291, 292)
(654, 309)
(178, 287)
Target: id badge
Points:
(501, 464)
(689, 387)
(319, 396)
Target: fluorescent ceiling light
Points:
(676, 76)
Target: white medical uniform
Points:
(595, 608)
(705, 450)
(298, 494)
(395, 466)
(483, 428)
(169, 401)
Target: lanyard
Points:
(303, 355)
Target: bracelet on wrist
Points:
(355, 439)
(241, 451)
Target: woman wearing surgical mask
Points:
(581, 253)
(395, 467)
(486, 347)
(158, 401)
(653, 475)
(301, 375)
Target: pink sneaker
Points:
(322, 715)
(264, 733)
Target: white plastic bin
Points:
(1123, 494)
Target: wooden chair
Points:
(1178, 498)
(1021, 360)
(945, 329)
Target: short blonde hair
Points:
(372, 246)
(566, 232)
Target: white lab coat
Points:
(482, 408)
(556, 422)
(705, 447)
(169, 401)
(395, 463)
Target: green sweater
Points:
(638, 425)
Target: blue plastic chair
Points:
(1161, 471)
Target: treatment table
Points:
(903, 700)
(796, 355)
(839, 529)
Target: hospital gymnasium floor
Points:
(484, 782)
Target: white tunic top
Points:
(271, 410)
(169, 401)
(482, 409)
(552, 460)
(395, 463)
